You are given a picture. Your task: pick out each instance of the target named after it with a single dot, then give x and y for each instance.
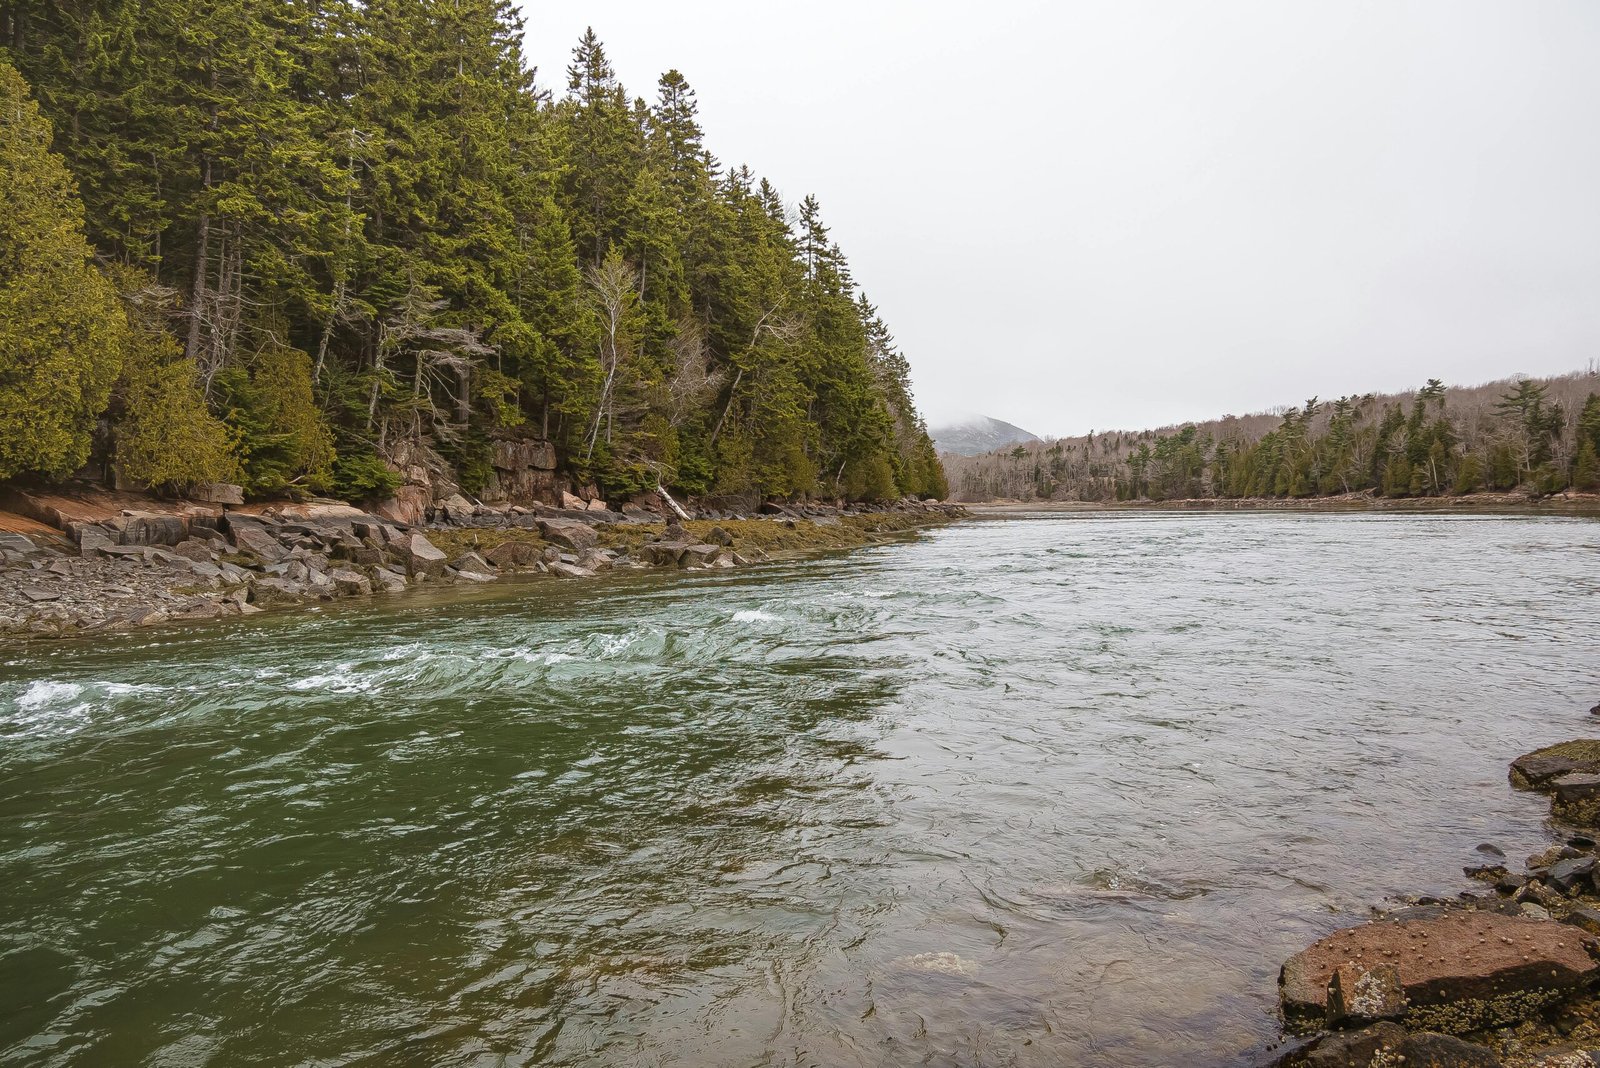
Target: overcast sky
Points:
(1123, 214)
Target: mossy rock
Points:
(1539, 769)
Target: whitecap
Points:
(47, 692)
(754, 615)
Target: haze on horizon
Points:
(1082, 215)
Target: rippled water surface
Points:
(1037, 791)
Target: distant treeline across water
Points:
(1536, 434)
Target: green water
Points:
(1051, 791)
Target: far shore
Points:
(1576, 504)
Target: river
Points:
(1042, 790)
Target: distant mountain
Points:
(974, 434)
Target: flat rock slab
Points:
(569, 533)
(1540, 769)
(1474, 968)
(1387, 1044)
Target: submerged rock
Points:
(1460, 971)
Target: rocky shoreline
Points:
(1506, 976)
(89, 563)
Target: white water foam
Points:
(47, 693)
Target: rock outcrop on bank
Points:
(1504, 976)
(72, 564)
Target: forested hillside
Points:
(1540, 435)
(297, 245)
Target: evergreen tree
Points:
(380, 234)
(62, 332)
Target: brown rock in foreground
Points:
(1460, 971)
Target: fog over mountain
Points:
(970, 435)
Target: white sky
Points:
(1125, 214)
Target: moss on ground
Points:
(776, 536)
(479, 539)
(1576, 749)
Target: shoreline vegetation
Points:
(92, 563)
(1504, 976)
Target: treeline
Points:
(266, 242)
(1541, 436)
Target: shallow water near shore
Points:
(1055, 790)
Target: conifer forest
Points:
(280, 244)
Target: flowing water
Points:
(1036, 791)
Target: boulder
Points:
(1388, 1044)
(1460, 971)
(152, 528)
(662, 553)
(569, 534)
(1575, 786)
(388, 581)
(421, 556)
(269, 590)
(568, 500)
(472, 562)
(349, 582)
(1539, 769)
(597, 559)
(254, 538)
(706, 556)
(718, 536)
(514, 554)
(92, 541)
(408, 506)
(217, 493)
(1571, 874)
(195, 549)
(566, 570)
(597, 505)
(457, 509)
